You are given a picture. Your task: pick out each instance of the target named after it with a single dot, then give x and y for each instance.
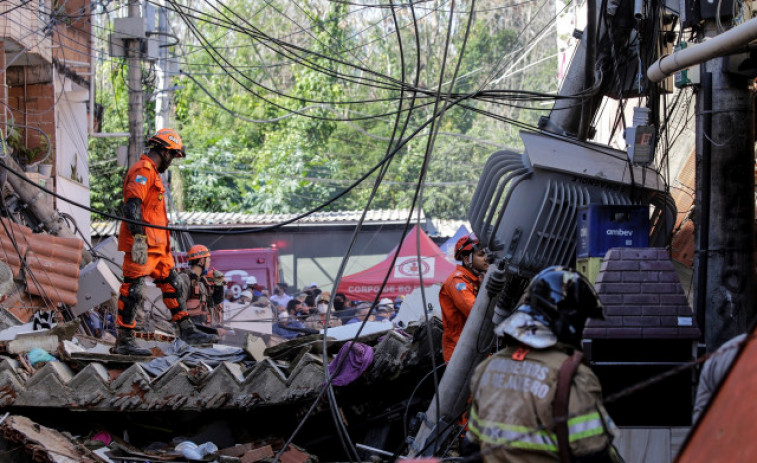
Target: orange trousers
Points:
(159, 266)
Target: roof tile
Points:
(52, 262)
(202, 219)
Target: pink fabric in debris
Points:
(358, 358)
(103, 437)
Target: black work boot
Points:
(192, 336)
(127, 345)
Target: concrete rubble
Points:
(53, 379)
(83, 376)
(86, 384)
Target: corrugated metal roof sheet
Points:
(725, 432)
(52, 262)
(236, 219)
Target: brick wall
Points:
(32, 101)
(32, 106)
(73, 40)
(643, 297)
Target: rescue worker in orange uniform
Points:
(205, 288)
(147, 249)
(459, 291)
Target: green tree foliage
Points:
(273, 63)
(106, 177)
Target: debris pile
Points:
(60, 369)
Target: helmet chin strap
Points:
(469, 265)
(164, 163)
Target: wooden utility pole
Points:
(134, 55)
(725, 200)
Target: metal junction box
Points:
(601, 227)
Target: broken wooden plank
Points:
(46, 444)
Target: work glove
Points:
(218, 278)
(139, 250)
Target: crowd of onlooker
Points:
(307, 311)
(300, 313)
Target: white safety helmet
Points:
(251, 281)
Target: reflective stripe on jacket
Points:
(456, 298)
(511, 415)
(143, 181)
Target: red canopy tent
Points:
(405, 276)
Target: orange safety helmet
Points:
(168, 139)
(197, 251)
(465, 246)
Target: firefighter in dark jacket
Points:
(205, 288)
(535, 401)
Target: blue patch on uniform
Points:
(460, 286)
(142, 180)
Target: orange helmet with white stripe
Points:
(168, 139)
(197, 251)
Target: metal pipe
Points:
(378, 451)
(109, 135)
(720, 45)
(638, 10)
(93, 74)
(587, 111)
(703, 202)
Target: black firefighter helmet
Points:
(554, 307)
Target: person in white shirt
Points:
(280, 297)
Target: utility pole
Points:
(134, 56)
(453, 392)
(724, 261)
(725, 200)
(163, 73)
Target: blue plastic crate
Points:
(601, 227)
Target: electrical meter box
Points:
(601, 227)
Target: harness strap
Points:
(560, 406)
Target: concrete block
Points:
(622, 310)
(616, 265)
(24, 344)
(97, 284)
(661, 310)
(624, 333)
(108, 250)
(641, 299)
(255, 346)
(621, 288)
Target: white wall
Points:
(72, 165)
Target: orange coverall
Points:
(143, 181)
(456, 297)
